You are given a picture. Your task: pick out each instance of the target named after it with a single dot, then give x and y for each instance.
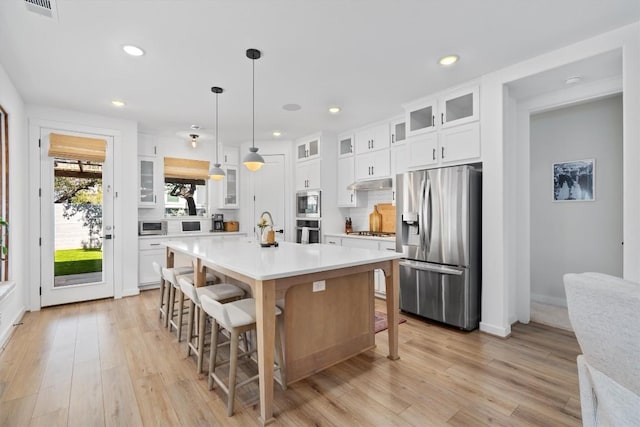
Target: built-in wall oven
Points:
(308, 204)
(308, 231)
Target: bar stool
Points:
(164, 288)
(237, 317)
(222, 292)
(170, 275)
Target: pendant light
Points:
(253, 161)
(194, 140)
(216, 173)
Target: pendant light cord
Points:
(253, 102)
(216, 128)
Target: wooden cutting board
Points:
(388, 212)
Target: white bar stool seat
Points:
(165, 291)
(222, 292)
(237, 317)
(171, 275)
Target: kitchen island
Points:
(328, 294)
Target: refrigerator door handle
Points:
(421, 223)
(430, 267)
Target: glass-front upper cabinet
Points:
(459, 107)
(307, 150)
(345, 145)
(398, 131)
(146, 182)
(230, 188)
(420, 117)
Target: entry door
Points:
(269, 193)
(76, 224)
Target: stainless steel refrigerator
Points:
(438, 229)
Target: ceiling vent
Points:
(43, 7)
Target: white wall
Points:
(125, 184)
(501, 254)
(14, 305)
(569, 237)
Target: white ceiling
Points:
(367, 56)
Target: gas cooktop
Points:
(373, 233)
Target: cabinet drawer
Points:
(149, 244)
(388, 246)
(360, 243)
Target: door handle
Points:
(429, 267)
(434, 154)
(108, 236)
(443, 152)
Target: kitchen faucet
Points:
(270, 217)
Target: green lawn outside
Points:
(77, 261)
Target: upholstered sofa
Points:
(605, 315)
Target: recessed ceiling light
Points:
(334, 110)
(133, 50)
(118, 103)
(291, 107)
(276, 133)
(573, 80)
(448, 60)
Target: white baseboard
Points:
(495, 330)
(6, 334)
(129, 292)
(546, 299)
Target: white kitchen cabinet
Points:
(459, 107)
(451, 135)
(147, 145)
(372, 139)
(308, 149)
(398, 131)
(423, 150)
(230, 156)
(332, 240)
(308, 175)
(147, 178)
(230, 187)
(150, 250)
(373, 165)
(399, 164)
(229, 196)
(346, 177)
(420, 117)
(449, 146)
(345, 145)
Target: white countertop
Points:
(191, 234)
(288, 259)
(355, 236)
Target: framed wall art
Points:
(574, 181)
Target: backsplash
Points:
(360, 216)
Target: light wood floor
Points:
(109, 362)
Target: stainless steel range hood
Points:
(372, 185)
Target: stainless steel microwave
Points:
(308, 204)
(146, 228)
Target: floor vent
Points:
(43, 7)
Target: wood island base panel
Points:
(325, 327)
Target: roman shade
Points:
(186, 168)
(77, 148)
